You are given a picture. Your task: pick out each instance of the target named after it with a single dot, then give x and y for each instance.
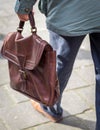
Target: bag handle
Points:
(32, 23)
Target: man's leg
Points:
(95, 49)
(66, 49)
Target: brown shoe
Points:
(38, 108)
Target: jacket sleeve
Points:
(24, 6)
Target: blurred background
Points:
(16, 112)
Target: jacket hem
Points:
(70, 33)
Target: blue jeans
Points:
(67, 48)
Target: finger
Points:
(23, 17)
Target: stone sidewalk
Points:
(16, 112)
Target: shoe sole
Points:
(38, 108)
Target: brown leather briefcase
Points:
(32, 65)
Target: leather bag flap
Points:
(24, 52)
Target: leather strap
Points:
(32, 23)
(20, 27)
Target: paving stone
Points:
(2, 126)
(84, 54)
(73, 103)
(70, 123)
(87, 94)
(4, 76)
(87, 74)
(84, 57)
(86, 43)
(89, 119)
(53, 127)
(21, 116)
(10, 26)
(5, 98)
(7, 13)
(7, 7)
(74, 122)
(82, 63)
(16, 96)
(75, 81)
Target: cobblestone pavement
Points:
(16, 112)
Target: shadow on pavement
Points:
(77, 122)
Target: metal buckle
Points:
(19, 29)
(23, 73)
(33, 30)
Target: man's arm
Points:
(23, 7)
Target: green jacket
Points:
(66, 17)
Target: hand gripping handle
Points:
(32, 23)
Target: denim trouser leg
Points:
(95, 49)
(66, 49)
